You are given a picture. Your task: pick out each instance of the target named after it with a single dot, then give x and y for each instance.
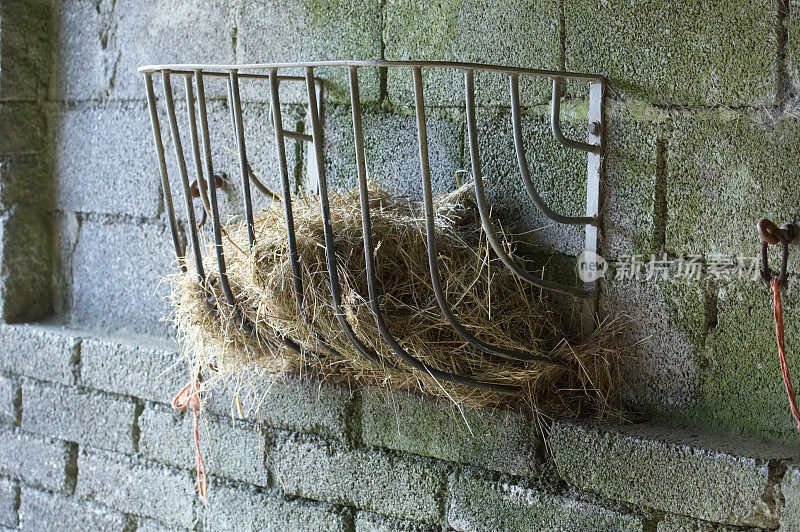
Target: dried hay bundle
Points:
(493, 304)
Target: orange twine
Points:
(778, 309)
(189, 396)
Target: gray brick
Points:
(790, 489)
(685, 65)
(39, 462)
(151, 525)
(501, 440)
(105, 160)
(680, 523)
(47, 511)
(230, 506)
(43, 352)
(136, 487)
(144, 367)
(24, 179)
(9, 495)
(444, 31)
(85, 417)
(25, 49)
(370, 522)
(392, 152)
(9, 400)
(22, 128)
(480, 505)
(297, 404)
(230, 449)
(309, 31)
(724, 479)
(409, 487)
(163, 31)
(116, 273)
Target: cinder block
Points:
(232, 505)
(22, 128)
(479, 31)
(479, 504)
(501, 440)
(392, 152)
(151, 525)
(38, 462)
(43, 352)
(308, 31)
(9, 495)
(27, 264)
(88, 418)
(136, 487)
(297, 404)
(25, 49)
(41, 510)
(680, 523)
(727, 170)
(230, 449)
(686, 66)
(9, 400)
(666, 323)
(790, 489)
(370, 522)
(105, 160)
(116, 271)
(143, 367)
(409, 487)
(162, 31)
(719, 478)
(25, 179)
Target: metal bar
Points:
(198, 165)
(280, 146)
(594, 168)
(483, 209)
(516, 120)
(176, 142)
(298, 136)
(555, 123)
(209, 68)
(330, 250)
(162, 166)
(236, 104)
(215, 221)
(430, 233)
(366, 224)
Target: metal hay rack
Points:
(273, 74)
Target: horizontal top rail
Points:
(223, 69)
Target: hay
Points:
(492, 303)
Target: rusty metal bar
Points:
(236, 106)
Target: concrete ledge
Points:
(39, 351)
(685, 471)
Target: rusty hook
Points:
(219, 182)
(771, 234)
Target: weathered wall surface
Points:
(702, 125)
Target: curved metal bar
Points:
(176, 143)
(162, 166)
(525, 171)
(256, 182)
(483, 209)
(330, 250)
(236, 105)
(555, 123)
(433, 253)
(215, 222)
(376, 63)
(366, 224)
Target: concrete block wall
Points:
(701, 125)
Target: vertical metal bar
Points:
(483, 208)
(162, 166)
(330, 250)
(369, 250)
(198, 165)
(215, 221)
(594, 174)
(516, 120)
(236, 105)
(187, 194)
(430, 233)
(312, 179)
(280, 146)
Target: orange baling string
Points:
(776, 290)
(189, 396)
